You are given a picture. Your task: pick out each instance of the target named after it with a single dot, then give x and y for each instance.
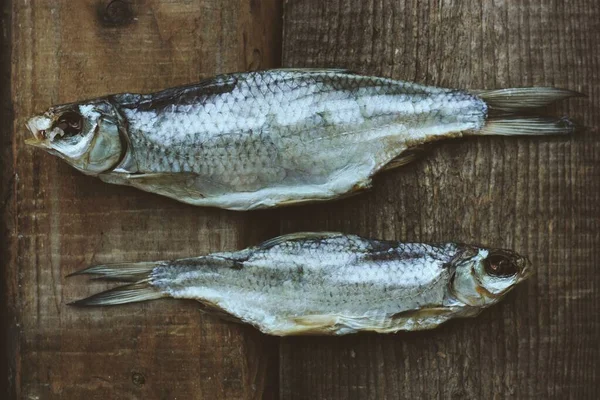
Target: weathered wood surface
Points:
(539, 196)
(59, 220)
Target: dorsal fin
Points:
(318, 70)
(297, 236)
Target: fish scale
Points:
(327, 283)
(241, 137)
(337, 267)
(269, 138)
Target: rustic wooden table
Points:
(539, 196)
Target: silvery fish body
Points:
(269, 138)
(327, 283)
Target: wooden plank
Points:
(7, 182)
(60, 220)
(539, 196)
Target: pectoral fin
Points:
(308, 325)
(179, 185)
(325, 324)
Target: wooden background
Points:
(539, 196)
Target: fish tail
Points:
(519, 99)
(509, 111)
(140, 289)
(510, 126)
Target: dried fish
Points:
(327, 283)
(270, 138)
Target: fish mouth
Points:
(38, 127)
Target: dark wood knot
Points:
(116, 13)
(138, 379)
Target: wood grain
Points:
(59, 220)
(539, 196)
(7, 183)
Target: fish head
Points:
(85, 135)
(483, 276)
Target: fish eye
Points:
(70, 123)
(500, 265)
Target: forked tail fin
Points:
(518, 99)
(511, 126)
(509, 111)
(140, 290)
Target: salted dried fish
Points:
(327, 283)
(270, 138)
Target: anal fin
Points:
(406, 157)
